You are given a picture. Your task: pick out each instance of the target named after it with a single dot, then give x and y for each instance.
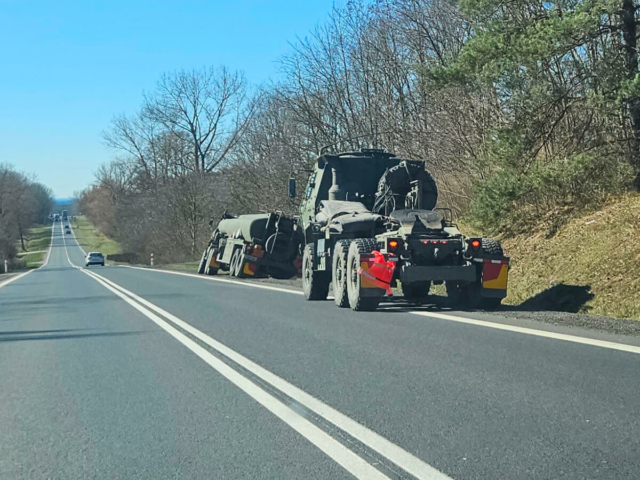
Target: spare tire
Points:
(398, 180)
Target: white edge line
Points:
(338, 452)
(76, 238)
(13, 279)
(531, 331)
(384, 447)
(216, 279)
(19, 276)
(480, 323)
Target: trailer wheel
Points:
(416, 293)
(359, 247)
(203, 261)
(339, 273)
(235, 268)
(208, 269)
(315, 284)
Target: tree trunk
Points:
(21, 236)
(629, 32)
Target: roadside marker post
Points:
(6, 267)
(152, 259)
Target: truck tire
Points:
(492, 247)
(315, 284)
(236, 263)
(401, 185)
(203, 261)
(469, 295)
(416, 293)
(357, 302)
(339, 273)
(207, 269)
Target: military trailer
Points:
(369, 222)
(253, 246)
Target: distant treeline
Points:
(23, 203)
(522, 111)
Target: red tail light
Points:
(392, 245)
(475, 244)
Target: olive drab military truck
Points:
(253, 246)
(369, 222)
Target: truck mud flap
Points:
(495, 275)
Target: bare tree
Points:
(208, 105)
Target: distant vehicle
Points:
(94, 258)
(56, 217)
(64, 214)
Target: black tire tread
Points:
(318, 287)
(492, 247)
(341, 297)
(365, 304)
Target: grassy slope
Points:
(92, 240)
(37, 240)
(598, 252)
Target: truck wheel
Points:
(469, 295)
(359, 247)
(416, 293)
(203, 261)
(339, 273)
(458, 293)
(210, 270)
(315, 284)
(234, 267)
(492, 247)
(490, 303)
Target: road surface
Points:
(123, 373)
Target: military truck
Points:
(253, 246)
(369, 222)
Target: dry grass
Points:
(599, 250)
(91, 239)
(37, 240)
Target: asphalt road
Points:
(115, 372)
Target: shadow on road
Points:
(559, 298)
(61, 335)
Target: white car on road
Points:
(94, 258)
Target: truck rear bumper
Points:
(417, 274)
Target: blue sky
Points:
(66, 67)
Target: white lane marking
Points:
(216, 279)
(530, 331)
(350, 461)
(13, 279)
(53, 228)
(73, 233)
(384, 447)
(444, 316)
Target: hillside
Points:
(591, 265)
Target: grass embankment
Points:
(591, 265)
(36, 242)
(91, 239)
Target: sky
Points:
(67, 67)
